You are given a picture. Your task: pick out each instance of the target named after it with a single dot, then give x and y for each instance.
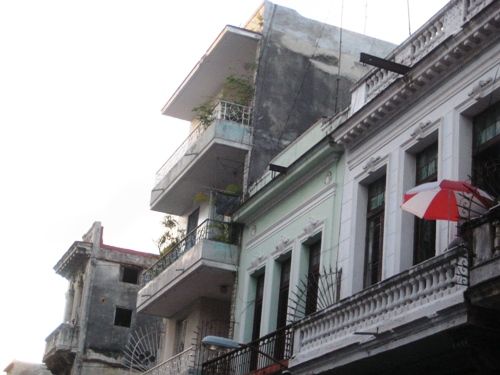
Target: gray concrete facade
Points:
(303, 74)
(100, 311)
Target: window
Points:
(123, 317)
(279, 346)
(425, 230)
(130, 275)
(257, 317)
(191, 226)
(486, 150)
(283, 293)
(313, 277)
(374, 232)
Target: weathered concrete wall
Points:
(297, 78)
(204, 317)
(108, 292)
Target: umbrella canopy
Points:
(446, 200)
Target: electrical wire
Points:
(337, 90)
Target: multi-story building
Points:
(413, 296)
(100, 314)
(255, 91)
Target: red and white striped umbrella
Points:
(446, 200)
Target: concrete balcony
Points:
(418, 304)
(485, 271)
(211, 156)
(60, 348)
(203, 264)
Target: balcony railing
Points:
(484, 236)
(208, 230)
(277, 345)
(444, 24)
(179, 364)
(439, 280)
(222, 111)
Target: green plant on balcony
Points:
(236, 89)
(171, 236)
(220, 231)
(205, 114)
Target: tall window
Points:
(313, 277)
(191, 226)
(283, 293)
(486, 150)
(280, 342)
(257, 311)
(374, 232)
(257, 317)
(425, 230)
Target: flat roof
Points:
(230, 54)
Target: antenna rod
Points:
(408, 7)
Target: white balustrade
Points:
(444, 24)
(415, 289)
(179, 364)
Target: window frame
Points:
(374, 215)
(423, 227)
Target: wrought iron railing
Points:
(222, 111)
(208, 230)
(179, 364)
(277, 345)
(233, 112)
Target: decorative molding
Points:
(371, 165)
(256, 264)
(419, 292)
(478, 89)
(282, 245)
(328, 177)
(298, 213)
(419, 130)
(308, 230)
(390, 96)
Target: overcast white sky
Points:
(81, 134)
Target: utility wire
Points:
(337, 90)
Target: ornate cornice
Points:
(473, 34)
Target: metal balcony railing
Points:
(179, 364)
(249, 358)
(233, 112)
(222, 111)
(208, 230)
